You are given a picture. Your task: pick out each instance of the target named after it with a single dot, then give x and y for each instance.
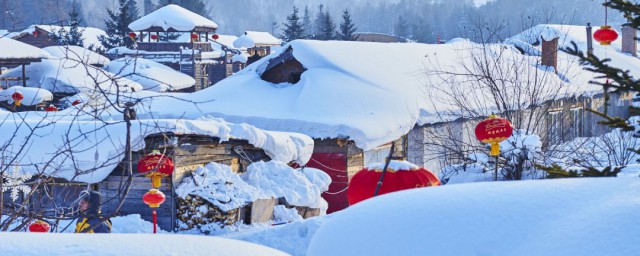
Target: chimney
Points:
(629, 44)
(550, 53)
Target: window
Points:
(554, 124)
(294, 77)
(577, 116)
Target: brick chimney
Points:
(550, 53)
(629, 44)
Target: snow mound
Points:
(22, 243)
(12, 49)
(150, 74)
(172, 16)
(280, 180)
(253, 38)
(78, 54)
(317, 177)
(32, 96)
(219, 185)
(582, 216)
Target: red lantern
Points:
(156, 166)
(363, 184)
(17, 97)
(154, 37)
(194, 37)
(35, 33)
(215, 36)
(39, 226)
(51, 108)
(605, 35)
(76, 102)
(133, 35)
(494, 130)
(154, 198)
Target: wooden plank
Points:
(262, 210)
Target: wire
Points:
(330, 169)
(335, 193)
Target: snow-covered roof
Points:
(89, 34)
(172, 16)
(12, 49)
(226, 40)
(32, 96)
(98, 146)
(70, 76)
(150, 74)
(77, 53)
(255, 38)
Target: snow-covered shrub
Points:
(610, 149)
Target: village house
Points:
(41, 35)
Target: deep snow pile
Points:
(278, 180)
(219, 185)
(126, 244)
(71, 76)
(78, 54)
(150, 74)
(41, 143)
(12, 49)
(582, 216)
(292, 238)
(32, 96)
(254, 38)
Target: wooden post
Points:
(24, 76)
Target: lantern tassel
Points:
(17, 103)
(495, 149)
(155, 221)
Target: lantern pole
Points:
(155, 220)
(384, 170)
(496, 169)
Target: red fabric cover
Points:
(494, 130)
(163, 163)
(363, 184)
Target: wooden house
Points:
(184, 41)
(41, 35)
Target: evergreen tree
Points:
(401, 27)
(196, 6)
(75, 32)
(149, 7)
(328, 28)
(319, 22)
(306, 23)
(347, 28)
(293, 27)
(117, 26)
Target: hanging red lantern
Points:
(76, 102)
(154, 198)
(605, 35)
(17, 97)
(400, 175)
(494, 130)
(35, 33)
(51, 108)
(215, 36)
(133, 36)
(194, 37)
(39, 226)
(156, 166)
(154, 37)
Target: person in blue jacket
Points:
(90, 207)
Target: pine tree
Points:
(328, 29)
(401, 28)
(149, 7)
(75, 32)
(117, 26)
(319, 23)
(293, 27)
(196, 6)
(347, 28)
(306, 23)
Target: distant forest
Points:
(419, 20)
